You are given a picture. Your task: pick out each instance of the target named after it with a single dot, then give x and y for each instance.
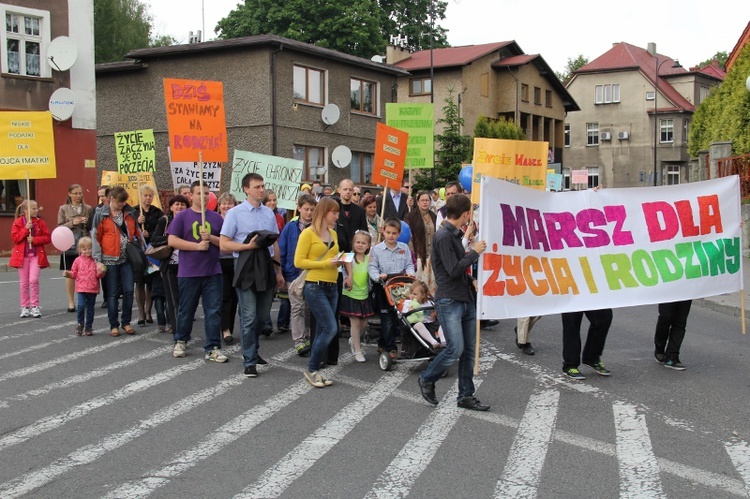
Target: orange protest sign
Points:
(390, 156)
(196, 119)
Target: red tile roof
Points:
(449, 57)
(515, 60)
(743, 40)
(713, 69)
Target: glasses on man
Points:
(356, 193)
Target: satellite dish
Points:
(61, 103)
(377, 58)
(62, 53)
(330, 114)
(341, 156)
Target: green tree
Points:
(119, 27)
(162, 41)
(720, 57)
(498, 129)
(357, 27)
(725, 113)
(572, 66)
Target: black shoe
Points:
(71, 309)
(251, 372)
(267, 332)
(142, 322)
(485, 323)
(261, 361)
(472, 404)
(428, 391)
(660, 357)
(526, 348)
(104, 304)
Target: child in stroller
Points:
(423, 317)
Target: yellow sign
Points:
(132, 182)
(27, 144)
(522, 162)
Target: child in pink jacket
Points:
(86, 272)
(29, 234)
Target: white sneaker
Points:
(179, 348)
(215, 355)
(25, 312)
(359, 357)
(35, 312)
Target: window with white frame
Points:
(593, 176)
(673, 174)
(666, 126)
(309, 85)
(592, 134)
(567, 134)
(361, 166)
(650, 95)
(24, 41)
(364, 96)
(607, 94)
(314, 161)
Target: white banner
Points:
(549, 252)
(188, 172)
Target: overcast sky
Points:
(688, 30)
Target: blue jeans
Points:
(191, 290)
(459, 326)
(255, 310)
(322, 300)
(85, 309)
(285, 313)
(119, 278)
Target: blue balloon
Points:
(465, 177)
(405, 235)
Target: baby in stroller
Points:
(424, 322)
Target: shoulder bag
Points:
(298, 285)
(159, 252)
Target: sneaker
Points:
(251, 372)
(261, 361)
(574, 373)
(675, 364)
(359, 357)
(302, 349)
(267, 332)
(660, 357)
(25, 312)
(215, 355)
(79, 329)
(599, 368)
(35, 312)
(314, 379)
(179, 349)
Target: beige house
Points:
(621, 117)
(496, 80)
(281, 98)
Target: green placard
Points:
(136, 151)
(418, 121)
(281, 175)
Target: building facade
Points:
(636, 107)
(28, 78)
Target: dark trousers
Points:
(600, 320)
(169, 277)
(229, 295)
(670, 328)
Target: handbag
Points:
(297, 286)
(158, 252)
(134, 252)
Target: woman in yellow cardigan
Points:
(317, 251)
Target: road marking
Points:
(639, 469)
(38, 346)
(739, 453)
(218, 439)
(416, 455)
(526, 458)
(73, 356)
(274, 481)
(78, 411)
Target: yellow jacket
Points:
(310, 247)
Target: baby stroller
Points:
(413, 347)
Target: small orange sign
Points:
(196, 120)
(390, 156)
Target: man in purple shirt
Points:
(199, 273)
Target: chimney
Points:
(395, 54)
(651, 48)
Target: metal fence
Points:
(737, 165)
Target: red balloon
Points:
(211, 201)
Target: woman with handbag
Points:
(317, 254)
(168, 266)
(422, 223)
(74, 214)
(148, 216)
(115, 227)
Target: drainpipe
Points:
(273, 100)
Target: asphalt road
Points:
(120, 417)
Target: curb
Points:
(722, 308)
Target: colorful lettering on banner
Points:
(136, 151)
(281, 175)
(132, 182)
(27, 145)
(521, 162)
(390, 156)
(196, 120)
(560, 252)
(418, 121)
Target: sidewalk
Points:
(728, 304)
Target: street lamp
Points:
(656, 119)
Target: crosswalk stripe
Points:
(38, 346)
(217, 440)
(523, 469)
(78, 411)
(411, 461)
(35, 368)
(639, 469)
(274, 481)
(739, 453)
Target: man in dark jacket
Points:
(352, 217)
